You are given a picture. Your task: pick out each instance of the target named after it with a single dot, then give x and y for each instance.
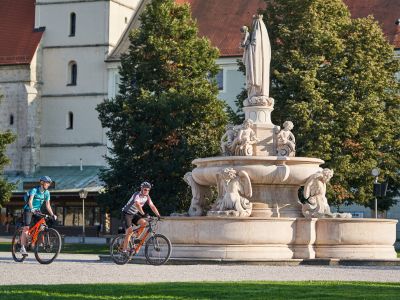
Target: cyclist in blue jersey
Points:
(34, 199)
(133, 212)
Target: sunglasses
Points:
(146, 190)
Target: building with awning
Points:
(65, 199)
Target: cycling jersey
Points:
(130, 207)
(38, 198)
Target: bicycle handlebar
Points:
(39, 214)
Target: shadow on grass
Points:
(207, 290)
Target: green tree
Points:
(6, 188)
(333, 76)
(167, 112)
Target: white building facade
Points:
(78, 37)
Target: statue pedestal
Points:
(263, 129)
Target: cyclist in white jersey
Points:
(133, 211)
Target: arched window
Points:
(70, 120)
(11, 119)
(72, 73)
(72, 24)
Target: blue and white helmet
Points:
(145, 184)
(45, 179)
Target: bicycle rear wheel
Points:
(119, 257)
(157, 250)
(16, 246)
(48, 245)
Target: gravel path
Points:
(70, 268)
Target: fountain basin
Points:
(254, 238)
(262, 170)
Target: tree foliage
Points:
(167, 112)
(333, 76)
(6, 188)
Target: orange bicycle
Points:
(157, 247)
(45, 241)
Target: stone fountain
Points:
(257, 214)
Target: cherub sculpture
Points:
(227, 140)
(234, 187)
(243, 143)
(286, 142)
(314, 191)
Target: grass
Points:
(70, 248)
(206, 290)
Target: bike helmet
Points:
(45, 179)
(145, 184)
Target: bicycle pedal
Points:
(136, 241)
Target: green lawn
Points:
(70, 248)
(207, 290)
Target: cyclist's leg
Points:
(128, 230)
(142, 223)
(27, 218)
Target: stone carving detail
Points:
(234, 189)
(243, 143)
(238, 140)
(198, 205)
(227, 139)
(285, 140)
(317, 204)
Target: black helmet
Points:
(145, 184)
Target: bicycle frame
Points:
(148, 230)
(34, 230)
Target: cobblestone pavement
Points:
(69, 268)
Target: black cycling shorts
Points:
(129, 219)
(29, 219)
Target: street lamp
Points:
(83, 194)
(375, 172)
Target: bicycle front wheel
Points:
(48, 245)
(157, 250)
(16, 247)
(119, 257)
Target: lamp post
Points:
(375, 172)
(83, 194)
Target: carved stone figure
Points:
(243, 143)
(314, 191)
(199, 195)
(286, 142)
(233, 188)
(257, 58)
(227, 140)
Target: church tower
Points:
(78, 37)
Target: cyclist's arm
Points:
(30, 202)
(140, 209)
(48, 206)
(154, 209)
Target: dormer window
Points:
(72, 24)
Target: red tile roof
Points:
(386, 12)
(220, 20)
(18, 39)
